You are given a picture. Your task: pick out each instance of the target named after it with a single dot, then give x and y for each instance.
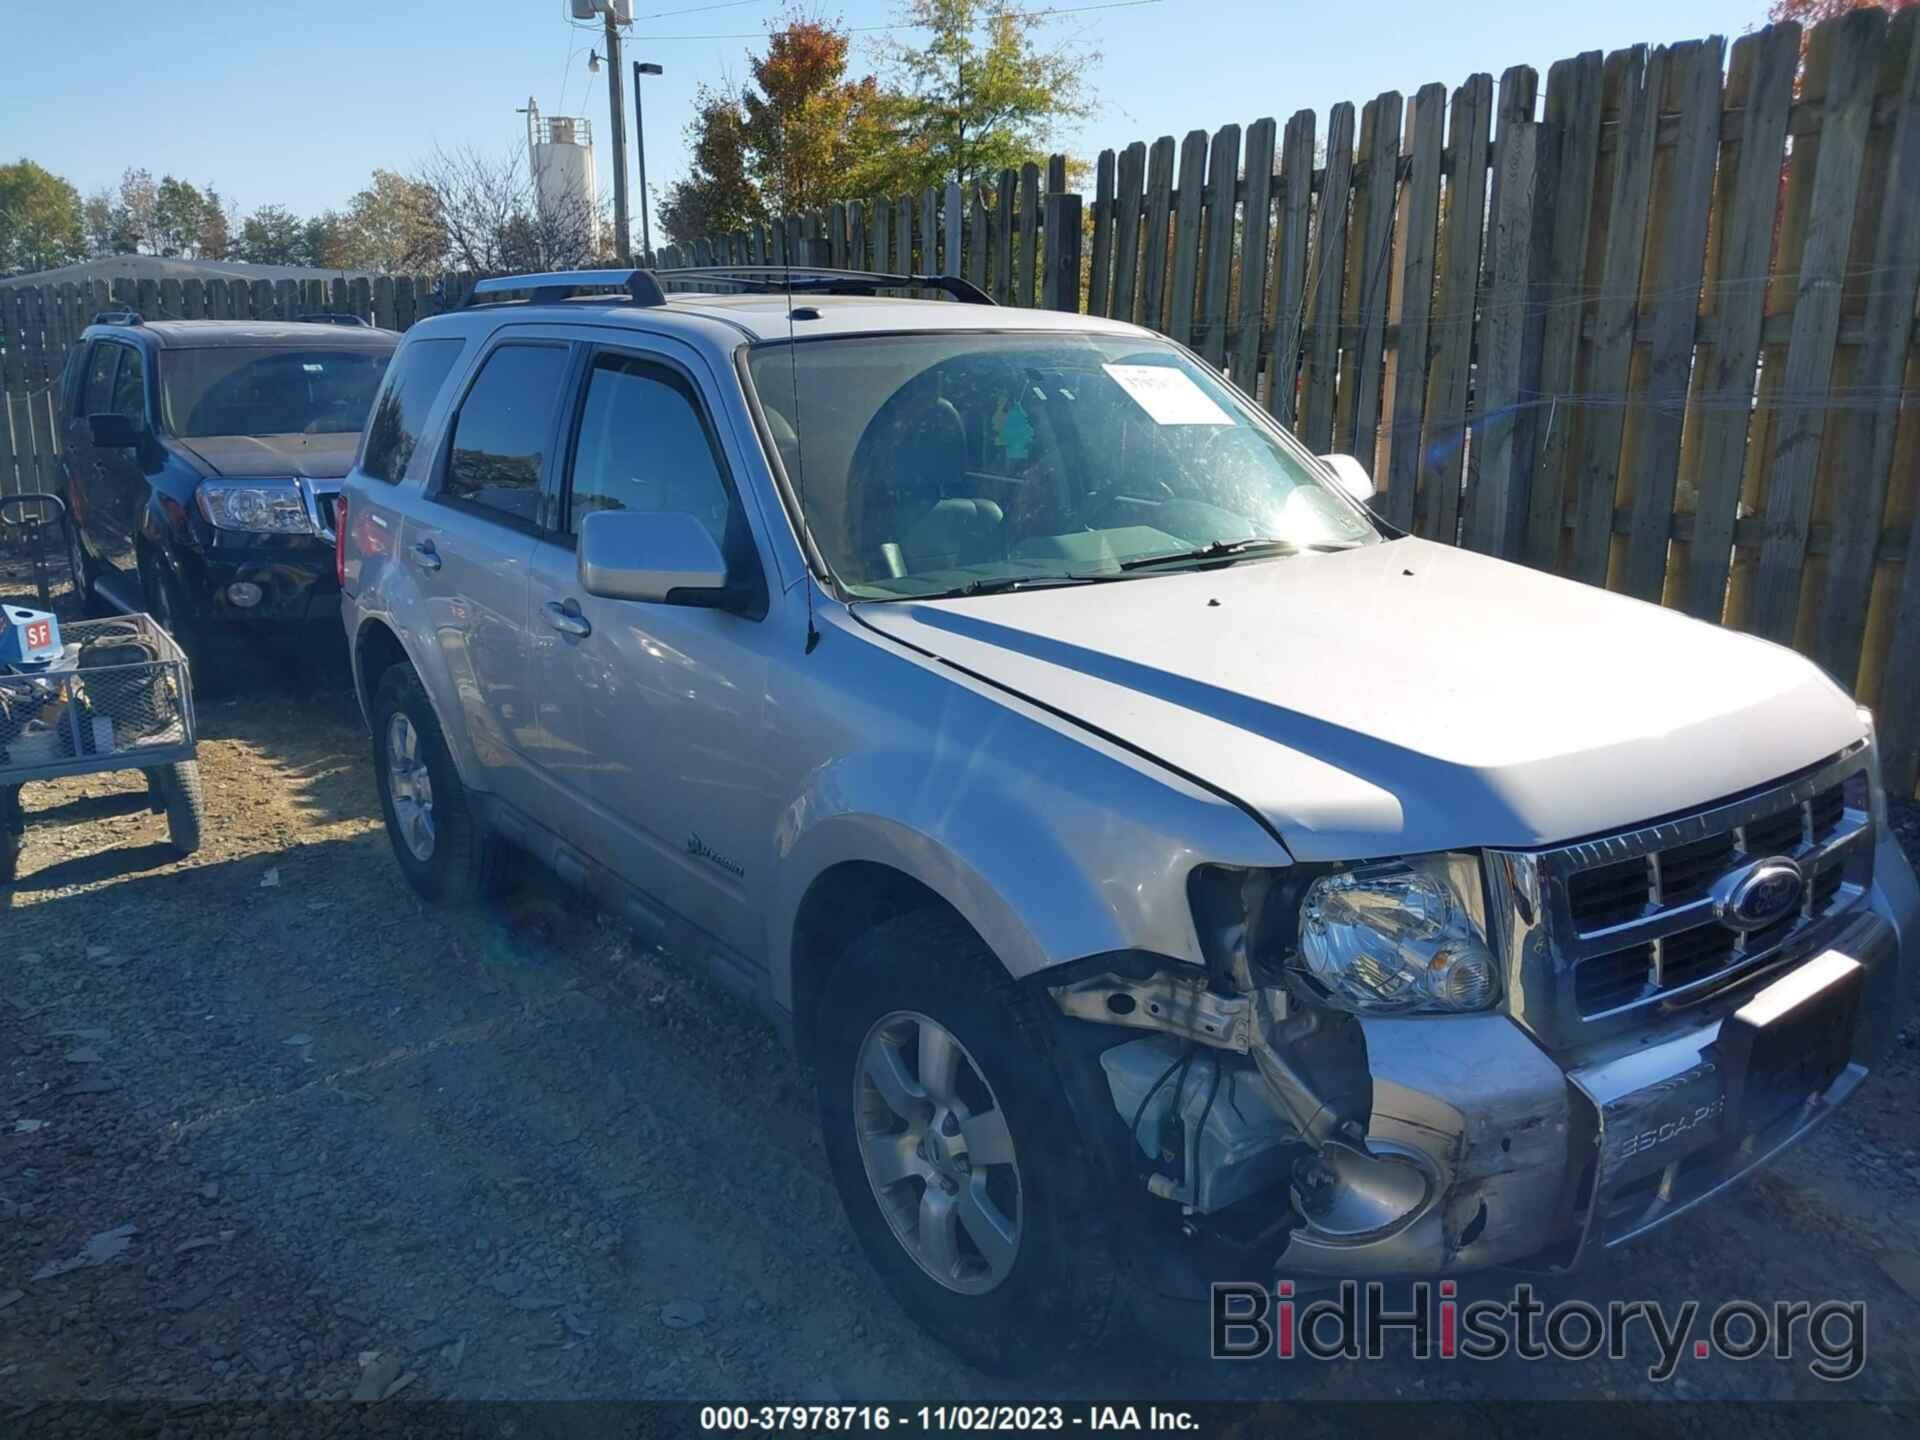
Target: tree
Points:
(214, 238)
(136, 221)
(178, 211)
(980, 95)
(783, 142)
(391, 226)
(272, 235)
(100, 221)
(40, 219)
(1811, 12)
(718, 196)
(493, 224)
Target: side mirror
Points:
(662, 556)
(1351, 476)
(113, 431)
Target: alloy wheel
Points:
(410, 786)
(938, 1153)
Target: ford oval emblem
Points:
(1760, 895)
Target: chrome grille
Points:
(1603, 929)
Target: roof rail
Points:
(641, 287)
(118, 317)
(331, 319)
(813, 279)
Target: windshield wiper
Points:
(1217, 550)
(996, 584)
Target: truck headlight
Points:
(1396, 936)
(1865, 790)
(269, 508)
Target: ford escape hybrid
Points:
(1153, 856)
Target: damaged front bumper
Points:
(1527, 1157)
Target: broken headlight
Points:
(1399, 936)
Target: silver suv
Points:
(1153, 854)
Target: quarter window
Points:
(393, 432)
(644, 446)
(505, 425)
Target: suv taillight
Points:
(340, 540)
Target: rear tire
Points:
(178, 789)
(442, 847)
(1041, 1281)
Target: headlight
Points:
(269, 508)
(1396, 936)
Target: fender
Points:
(1051, 842)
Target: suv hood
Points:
(1403, 697)
(247, 457)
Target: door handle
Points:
(567, 619)
(425, 556)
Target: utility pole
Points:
(640, 146)
(622, 245)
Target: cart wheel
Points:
(179, 783)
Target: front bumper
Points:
(295, 576)
(1551, 1160)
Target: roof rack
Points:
(118, 317)
(331, 319)
(814, 280)
(641, 287)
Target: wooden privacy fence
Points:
(1655, 329)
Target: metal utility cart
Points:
(94, 695)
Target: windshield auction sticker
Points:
(1169, 396)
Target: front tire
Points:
(180, 795)
(441, 845)
(958, 1163)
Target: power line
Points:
(876, 29)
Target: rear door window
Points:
(503, 435)
(413, 384)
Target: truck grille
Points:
(1629, 920)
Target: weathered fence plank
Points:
(1100, 277)
(1186, 235)
(1290, 267)
(1326, 283)
(1405, 380)
(1216, 274)
(1444, 430)
(1633, 96)
(1126, 231)
(1369, 283)
(1840, 69)
(1760, 91)
(1153, 275)
(1256, 231)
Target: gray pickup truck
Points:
(1159, 861)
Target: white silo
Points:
(565, 185)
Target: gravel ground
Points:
(307, 1139)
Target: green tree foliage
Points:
(392, 226)
(41, 225)
(979, 94)
(272, 235)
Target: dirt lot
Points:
(325, 1143)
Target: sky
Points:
(297, 105)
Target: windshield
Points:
(940, 463)
(236, 390)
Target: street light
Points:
(640, 144)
